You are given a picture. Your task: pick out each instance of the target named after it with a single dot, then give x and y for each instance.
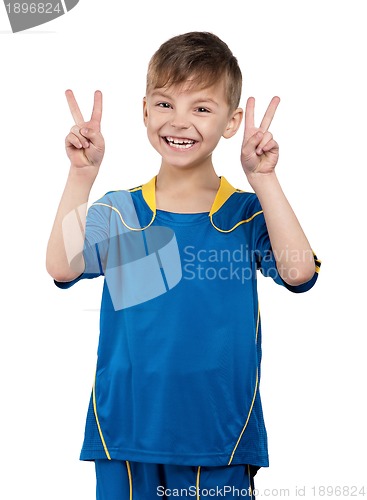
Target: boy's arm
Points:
(259, 156)
(292, 252)
(85, 149)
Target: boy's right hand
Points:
(85, 144)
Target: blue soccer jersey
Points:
(178, 369)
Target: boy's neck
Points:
(182, 179)
(186, 190)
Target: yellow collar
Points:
(225, 190)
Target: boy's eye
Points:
(164, 105)
(203, 110)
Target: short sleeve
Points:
(265, 259)
(96, 244)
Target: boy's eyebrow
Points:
(161, 93)
(207, 99)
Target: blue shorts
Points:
(124, 480)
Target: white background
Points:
(313, 55)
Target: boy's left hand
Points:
(259, 153)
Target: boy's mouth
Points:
(179, 143)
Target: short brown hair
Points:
(199, 56)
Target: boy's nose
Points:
(179, 120)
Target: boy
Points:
(175, 409)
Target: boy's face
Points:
(185, 124)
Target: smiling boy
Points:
(176, 402)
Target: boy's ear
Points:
(234, 123)
(145, 111)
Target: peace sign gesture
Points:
(85, 144)
(259, 152)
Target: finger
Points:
(269, 114)
(74, 108)
(94, 137)
(72, 140)
(264, 140)
(97, 107)
(77, 132)
(249, 113)
(270, 146)
(249, 146)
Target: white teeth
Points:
(180, 143)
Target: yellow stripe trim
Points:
(122, 219)
(238, 223)
(224, 192)
(254, 396)
(148, 191)
(198, 483)
(257, 322)
(132, 190)
(97, 420)
(130, 479)
(317, 262)
(248, 417)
